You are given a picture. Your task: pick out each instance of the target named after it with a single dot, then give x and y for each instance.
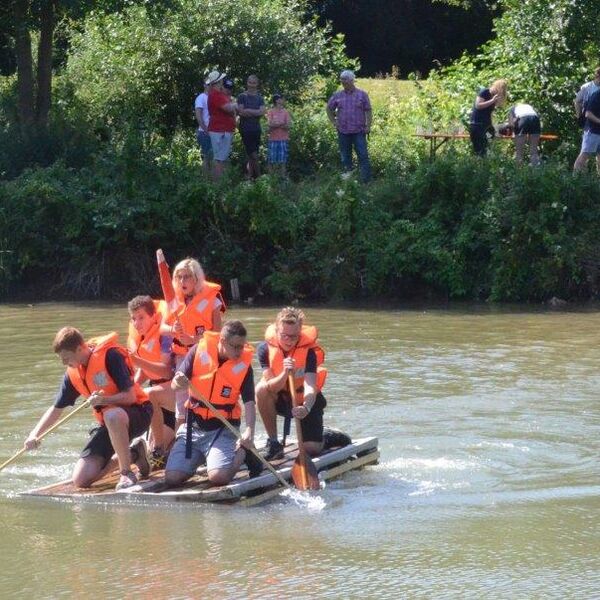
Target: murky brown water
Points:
(489, 484)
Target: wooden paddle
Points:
(211, 407)
(304, 472)
(49, 430)
(166, 283)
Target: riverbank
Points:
(455, 228)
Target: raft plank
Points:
(358, 463)
(198, 489)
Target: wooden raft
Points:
(332, 463)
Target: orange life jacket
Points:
(94, 376)
(219, 384)
(308, 341)
(196, 316)
(148, 345)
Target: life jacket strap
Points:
(188, 433)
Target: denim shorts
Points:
(217, 447)
(221, 144)
(204, 143)
(590, 143)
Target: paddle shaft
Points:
(237, 434)
(49, 430)
(299, 437)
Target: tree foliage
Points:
(135, 66)
(545, 49)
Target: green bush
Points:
(140, 67)
(456, 228)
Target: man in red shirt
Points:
(221, 126)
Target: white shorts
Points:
(221, 144)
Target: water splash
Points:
(305, 500)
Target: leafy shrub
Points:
(138, 66)
(457, 227)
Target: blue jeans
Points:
(359, 141)
(204, 143)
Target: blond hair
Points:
(189, 265)
(499, 87)
(67, 338)
(290, 316)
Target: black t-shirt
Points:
(263, 358)
(117, 369)
(482, 116)
(593, 106)
(247, 389)
(254, 102)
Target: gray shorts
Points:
(218, 446)
(221, 144)
(590, 143)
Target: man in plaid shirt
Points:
(349, 111)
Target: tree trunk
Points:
(24, 63)
(44, 74)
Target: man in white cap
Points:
(349, 111)
(222, 122)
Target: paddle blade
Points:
(166, 283)
(304, 474)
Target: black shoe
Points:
(274, 450)
(334, 438)
(255, 466)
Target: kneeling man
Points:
(219, 367)
(101, 371)
(291, 347)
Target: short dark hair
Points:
(233, 328)
(597, 72)
(68, 338)
(144, 302)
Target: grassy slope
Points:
(381, 90)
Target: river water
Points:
(488, 484)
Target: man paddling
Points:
(292, 347)
(219, 369)
(100, 371)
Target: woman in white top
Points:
(525, 123)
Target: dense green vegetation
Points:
(114, 173)
(454, 228)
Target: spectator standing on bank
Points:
(590, 143)
(221, 126)
(279, 123)
(251, 107)
(349, 111)
(582, 98)
(525, 122)
(481, 114)
(228, 86)
(203, 118)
